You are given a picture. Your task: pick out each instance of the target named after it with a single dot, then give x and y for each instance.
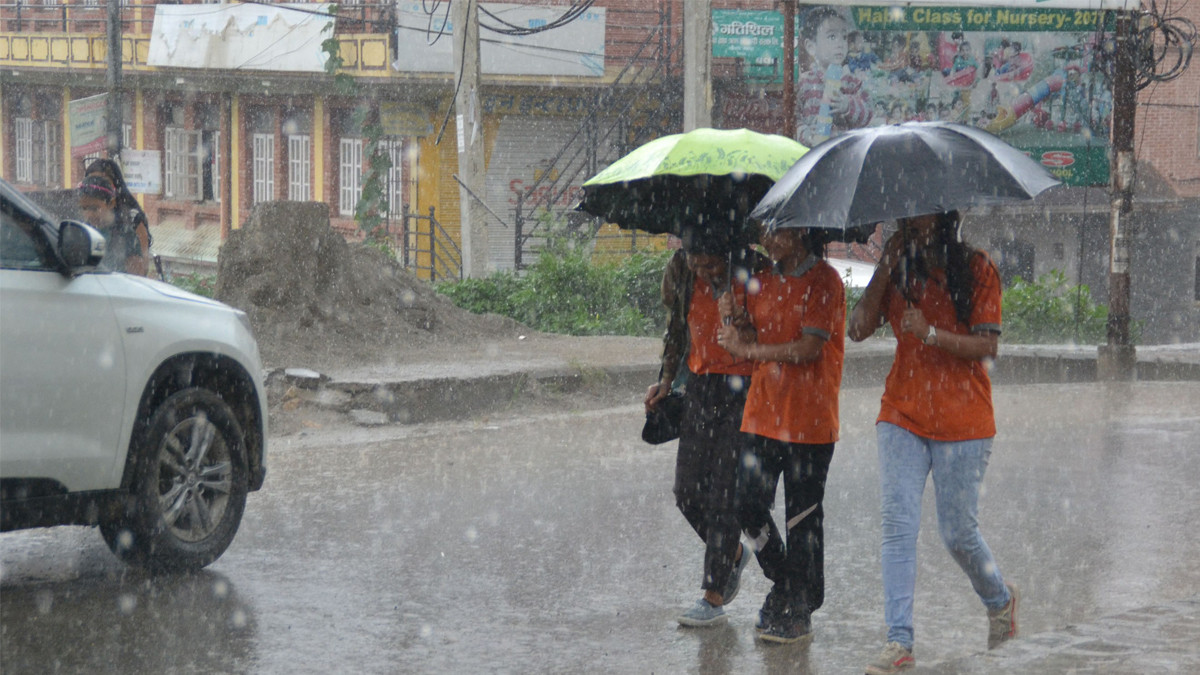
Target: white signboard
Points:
(88, 122)
(142, 170)
(283, 37)
(425, 43)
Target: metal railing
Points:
(426, 247)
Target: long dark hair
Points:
(914, 270)
(125, 199)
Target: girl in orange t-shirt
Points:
(794, 333)
(942, 300)
(710, 442)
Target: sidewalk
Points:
(453, 382)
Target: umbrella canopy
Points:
(872, 175)
(706, 178)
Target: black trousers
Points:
(710, 445)
(798, 566)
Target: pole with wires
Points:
(469, 130)
(1117, 359)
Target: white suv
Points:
(124, 402)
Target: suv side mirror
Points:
(80, 244)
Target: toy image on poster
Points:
(1036, 89)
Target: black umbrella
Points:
(867, 176)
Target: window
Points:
(183, 156)
(191, 163)
(350, 175)
(263, 167)
(299, 168)
(394, 148)
(38, 152)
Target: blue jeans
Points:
(905, 460)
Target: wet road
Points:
(552, 544)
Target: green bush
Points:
(1051, 311)
(200, 284)
(564, 292)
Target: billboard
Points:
(424, 42)
(1027, 74)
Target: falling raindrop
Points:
(127, 603)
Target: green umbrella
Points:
(705, 178)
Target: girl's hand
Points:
(913, 321)
(730, 339)
(893, 251)
(725, 305)
(654, 394)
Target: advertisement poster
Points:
(88, 133)
(1027, 75)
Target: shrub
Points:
(1050, 311)
(200, 284)
(565, 292)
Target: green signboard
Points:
(1025, 74)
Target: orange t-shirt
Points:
(930, 392)
(797, 402)
(705, 356)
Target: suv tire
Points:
(188, 489)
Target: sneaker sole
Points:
(701, 623)
(805, 639)
(878, 671)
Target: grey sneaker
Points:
(735, 578)
(1002, 623)
(894, 658)
(702, 614)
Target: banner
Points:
(1027, 75)
(89, 122)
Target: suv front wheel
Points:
(188, 489)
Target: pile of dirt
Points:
(316, 301)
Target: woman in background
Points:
(127, 243)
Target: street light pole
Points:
(1117, 359)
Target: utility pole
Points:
(789, 68)
(469, 129)
(113, 107)
(697, 64)
(1117, 360)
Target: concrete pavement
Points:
(1159, 638)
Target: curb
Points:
(438, 399)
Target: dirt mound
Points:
(316, 301)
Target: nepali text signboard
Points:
(1027, 74)
(142, 170)
(89, 134)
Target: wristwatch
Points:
(931, 336)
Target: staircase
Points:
(642, 103)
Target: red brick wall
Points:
(1168, 121)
